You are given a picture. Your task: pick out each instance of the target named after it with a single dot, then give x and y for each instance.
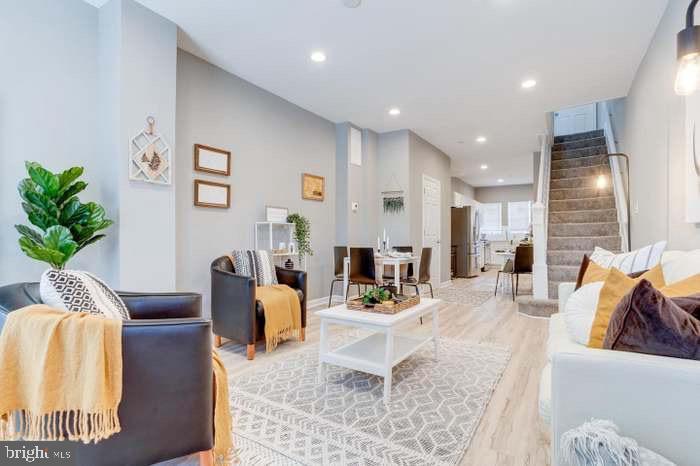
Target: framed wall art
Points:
(212, 160)
(312, 187)
(210, 194)
(276, 214)
(149, 156)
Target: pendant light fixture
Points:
(688, 40)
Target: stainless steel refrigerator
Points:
(465, 256)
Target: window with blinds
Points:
(519, 217)
(491, 220)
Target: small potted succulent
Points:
(376, 296)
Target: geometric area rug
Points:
(284, 415)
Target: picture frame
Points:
(209, 159)
(211, 194)
(276, 214)
(313, 187)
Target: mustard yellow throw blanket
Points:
(61, 379)
(282, 313)
(59, 369)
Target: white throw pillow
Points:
(77, 291)
(629, 262)
(681, 266)
(579, 311)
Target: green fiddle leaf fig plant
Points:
(65, 225)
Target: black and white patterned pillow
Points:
(77, 291)
(256, 264)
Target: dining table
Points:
(380, 261)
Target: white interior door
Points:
(575, 120)
(431, 224)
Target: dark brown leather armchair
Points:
(167, 404)
(235, 312)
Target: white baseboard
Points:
(337, 299)
(444, 284)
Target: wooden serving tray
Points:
(406, 302)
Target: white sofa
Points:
(654, 400)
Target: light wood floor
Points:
(510, 433)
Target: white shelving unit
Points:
(269, 235)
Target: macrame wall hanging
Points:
(149, 156)
(393, 200)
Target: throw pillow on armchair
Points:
(78, 291)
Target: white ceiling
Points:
(453, 67)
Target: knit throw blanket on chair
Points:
(60, 375)
(282, 313)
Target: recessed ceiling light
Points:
(318, 56)
(484, 166)
(394, 111)
(481, 139)
(528, 84)
(501, 180)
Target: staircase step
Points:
(596, 133)
(564, 257)
(579, 193)
(583, 152)
(562, 273)
(582, 243)
(591, 203)
(554, 290)
(537, 307)
(568, 183)
(591, 171)
(583, 216)
(585, 161)
(578, 144)
(584, 229)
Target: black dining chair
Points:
(339, 255)
(362, 269)
(405, 270)
(423, 273)
(521, 264)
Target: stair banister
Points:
(621, 201)
(540, 288)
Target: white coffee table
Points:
(379, 352)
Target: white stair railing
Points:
(616, 175)
(540, 286)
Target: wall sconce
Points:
(688, 53)
(602, 182)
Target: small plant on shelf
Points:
(302, 234)
(66, 225)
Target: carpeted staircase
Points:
(580, 215)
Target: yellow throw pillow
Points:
(594, 273)
(685, 287)
(616, 286)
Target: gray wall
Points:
(459, 186)
(394, 169)
(505, 194)
(654, 137)
(427, 159)
(48, 95)
(138, 53)
(356, 184)
(272, 143)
